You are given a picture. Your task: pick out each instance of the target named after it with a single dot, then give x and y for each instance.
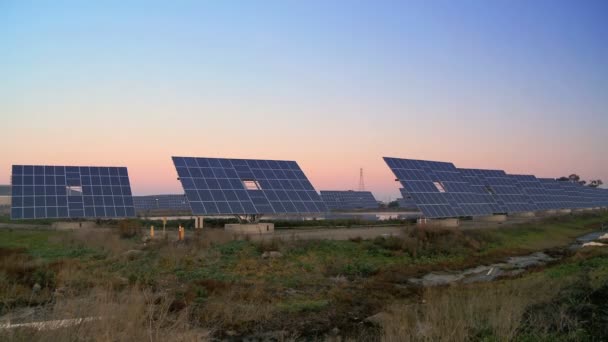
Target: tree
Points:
(595, 183)
(574, 178)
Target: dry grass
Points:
(133, 315)
(462, 313)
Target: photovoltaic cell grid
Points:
(349, 199)
(531, 186)
(161, 202)
(406, 201)
(439, 189)
(217, 186)
(559, 198)
(504, 190)
(70, 192)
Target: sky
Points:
(336, 85)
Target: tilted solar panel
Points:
(505, 190)
(161, 202)
(40, 191)
(216, 186)
(531, 186)
(556, 194)
(349, 199)
(439, 189)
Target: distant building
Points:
(161, 203)
(5, 195)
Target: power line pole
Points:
(361, 182)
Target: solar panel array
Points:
(70, 192)
(343, 200)
(161, 202)
(217, 186)
(439, 189)
(504, 190)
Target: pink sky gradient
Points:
(334, 87)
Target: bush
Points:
(129, 228)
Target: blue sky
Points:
(336, 85)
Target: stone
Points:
(378, 318)
(593, 244)
(271, 255)
(36, 288)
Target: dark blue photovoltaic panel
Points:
(504, 190)
(70, 192)
(343, 200)
(161, 202)
(406, 201)
(558, 197)
(531, 186)
(439, 189)
(217, 186)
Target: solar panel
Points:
(556, 194)
(406, 201)
(40, 191)
(581, 196)
(349, 199)
(509, 197)
(161, 202)
(439, 189)
(216, 186)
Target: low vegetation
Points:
(214, 284)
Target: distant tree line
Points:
(574, 178)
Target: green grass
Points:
(304, 281)
(551, 233)
(43, 244)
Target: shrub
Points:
(129, 228)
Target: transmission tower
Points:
(361, 182)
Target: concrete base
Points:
(564, 211)
(446, 223)
(198, 222)
(524, 214)
(491, 218)
(73, 225)
(250, 228)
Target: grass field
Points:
(218, 286)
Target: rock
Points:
(60, 291)
(231, 333)
(271, 255)
(145, 239)
(604, 237)
(335, 331)
(36, 288)
(378, 318)
(132, 254)
(593, 244)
